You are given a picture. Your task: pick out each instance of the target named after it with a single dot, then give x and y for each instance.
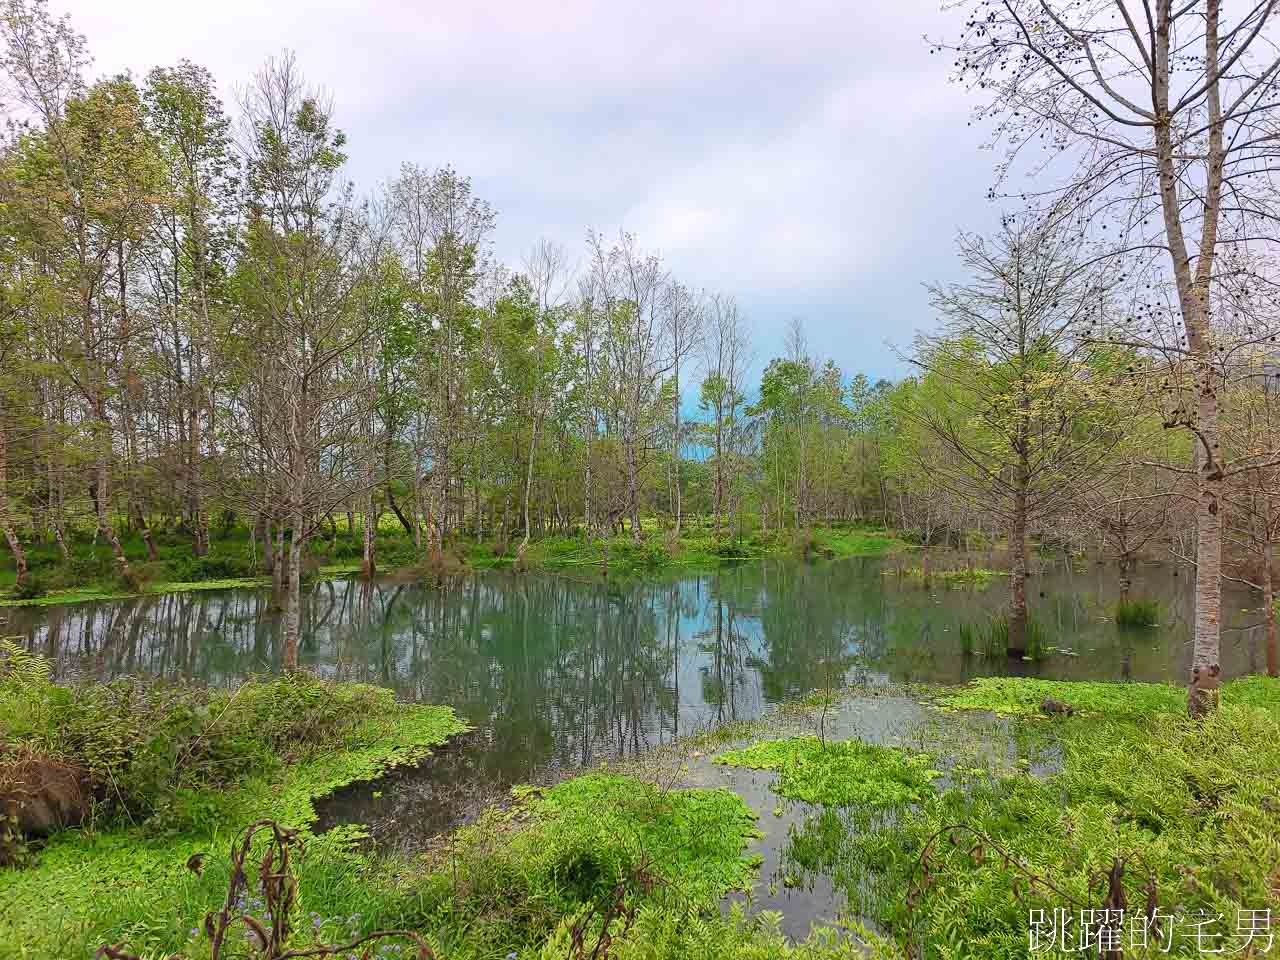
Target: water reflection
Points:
(556, 672)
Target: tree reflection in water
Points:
(559, 672)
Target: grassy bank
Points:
(164, 773)
(603, 855)
(699, 547)
(232, 561)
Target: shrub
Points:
(1137, 613)
(150, 740)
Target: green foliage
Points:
(844, 772)
(1185, 803)
(124, 882)
(1010, 695)
(158, 749)
(1137, 613)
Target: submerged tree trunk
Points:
(1017, 646)
(293, 602)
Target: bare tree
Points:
(302, 395)
(1159, 115)
(1008, 387)
(726, 359)
(684, 315)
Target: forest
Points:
(225, 364)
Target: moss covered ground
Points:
(180, 773)
(936, 867)
(194, 767)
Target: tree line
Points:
(203, 319)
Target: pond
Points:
(562, 672)
(559, 673)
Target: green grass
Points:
(839, 773)
(991, 639)
(129, 882)
(90, 574)
(699, 547)
(514, 882)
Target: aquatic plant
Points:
(839, 773)
(1137, 613)
(969, 576)
(991, 639)
(1183, 808)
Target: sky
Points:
(810, 158)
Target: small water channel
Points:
(558, 673)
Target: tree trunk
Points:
(528, 485)
(277, 565)
(6, 516)
(1269, 604)
(293, 603)
(199, 529)
(103, 498)
(1018, 577)
(633, 489)
(370, 521)
(145, 530)
(1126, 571)
(1205, 672)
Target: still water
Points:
(555, 672)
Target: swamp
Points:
(805, 486)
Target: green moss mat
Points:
(839, 773)
(1189, 808)
(1023, 696)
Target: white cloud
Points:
(809, 156)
